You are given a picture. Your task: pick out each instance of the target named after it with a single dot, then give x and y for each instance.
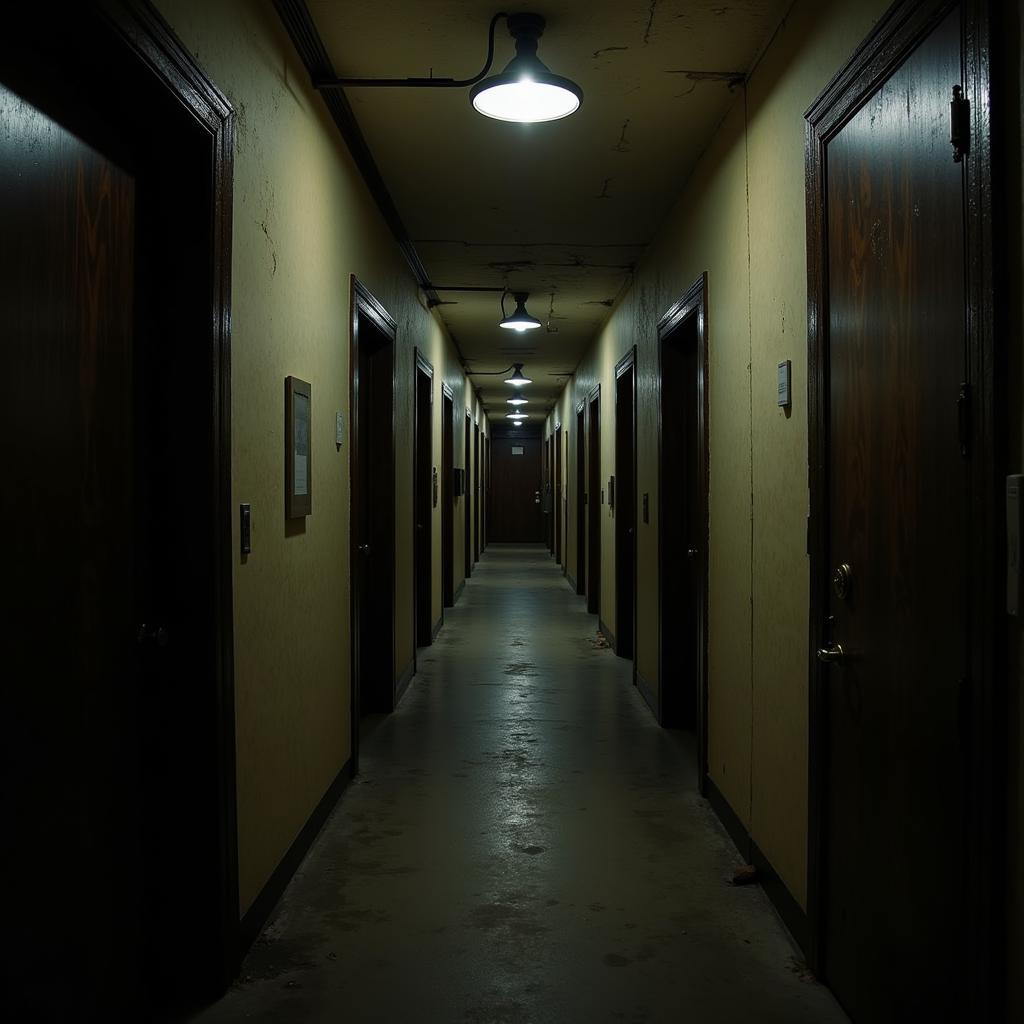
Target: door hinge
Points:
(963, 408)
(960, 124)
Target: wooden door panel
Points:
(625, 511)
(517, 516)
(581, 501)
(595, 503)
(898, 503)
(67, 219)
(447, 501)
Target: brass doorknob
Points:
(831, 654)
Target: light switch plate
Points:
(784, 383)
(245, 528)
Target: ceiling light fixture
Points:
(526, 91)
(518, 380)
(520, 320)
(517, 416)
(517, 401)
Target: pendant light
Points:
(526, 91)
(517, 401)
(517, 380)
(520, 320)
(517, 416)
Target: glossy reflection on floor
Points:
(523, 844)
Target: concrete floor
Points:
(523, 844)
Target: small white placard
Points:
(516, 450)
(784, 381)
(301, 482)
(339, 429)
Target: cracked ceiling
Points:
(561, 210)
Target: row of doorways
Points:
(590, 500)
(903, 792)
(378, 682)
(903, 733)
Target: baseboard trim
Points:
(438, 626)
(256, 917)
(569, 579)
(608, 634)
(729, 819)
(792, 915)
(404, 680)
(648, 694)
(458, 592)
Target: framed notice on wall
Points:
(298, 488)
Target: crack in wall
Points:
(273, 249)
(622, 146)
(650, 21)
(608, 49)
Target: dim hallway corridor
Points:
(523, 844)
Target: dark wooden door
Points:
(423, 502)
(581, 501)
(595, 502)
(478, 492)
(549, 522)
(681, 527)
(76, 569)
(557, 494)
(516, 509)
(373, 505)
(893, 871)
(447, 499)
(625, 508)
(467, 495)
(119, 748)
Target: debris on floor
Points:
(600, 641)
(746, 874)
(801, 970)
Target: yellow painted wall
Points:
(741, 218)
(303, 223)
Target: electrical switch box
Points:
(245, 528)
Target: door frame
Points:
(147, 49)
(363, 304)
(627, 364)
(485, 500)
(467, 494)
(595, 501)
(421, 365)
(581, 500)
(477, 492)
(556, 491)
(901, 29)
(693, 303)
(447, 500)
